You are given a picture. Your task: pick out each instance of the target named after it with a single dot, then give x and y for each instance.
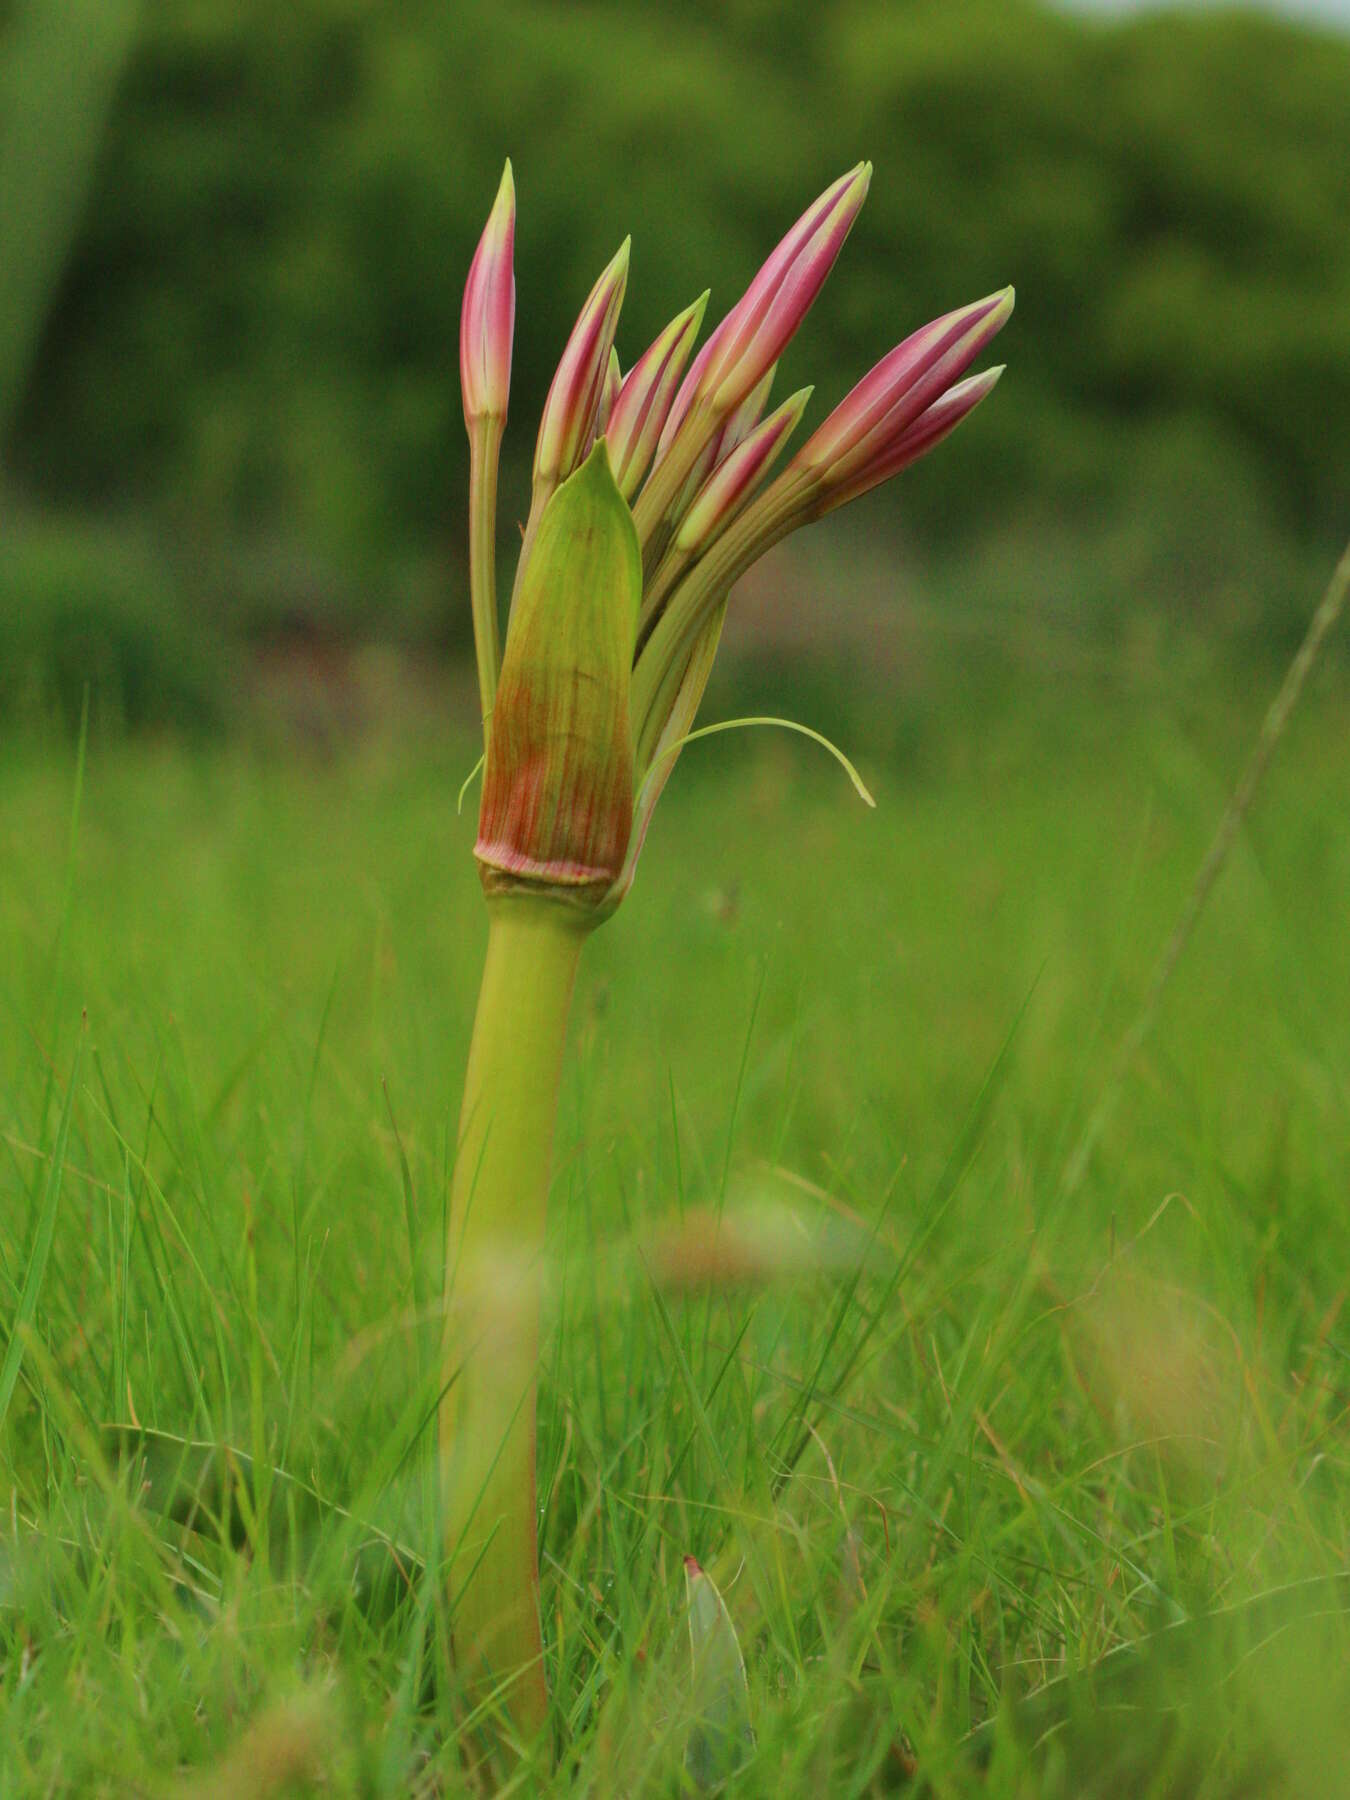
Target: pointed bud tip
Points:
(593, 470)
(612, 279)
(853, 187)
(499, 231)
(980, 385)
(613, 283)
(991, 312)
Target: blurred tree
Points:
(59, 63)
(257, 333)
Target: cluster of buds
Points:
(652, 495)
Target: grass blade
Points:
(40, 1249)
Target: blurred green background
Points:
(236, 235)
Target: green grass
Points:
(941, 1431)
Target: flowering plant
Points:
(652, 495)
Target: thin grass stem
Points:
(1273, 727)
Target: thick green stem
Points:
(494, 1267)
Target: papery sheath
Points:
(557, 805)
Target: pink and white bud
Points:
(487, 319)
(743, 420)
(679, 409)
(932, 425)
(734, 429)
(757, 330)
(567, 427)
(890, 397)
(734, 479)
(643, 402)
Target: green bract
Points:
(557, 806)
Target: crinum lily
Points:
(652, 495)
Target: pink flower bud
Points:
(573, 403)
(743, 420)
(886, 402)
(639, 411)
(932, 425)
(487, 319)
(757, 330)
(688, 387)
(734, 429)
(733, 480)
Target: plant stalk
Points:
(494, 1255)
(484, 447)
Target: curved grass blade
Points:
(207, 1488)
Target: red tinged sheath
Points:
(557, 808)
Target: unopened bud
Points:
(757, 330)
(573, 403)
(640, 410)
(734, 479)
(488, 316)
(870, 419)
(927, 431)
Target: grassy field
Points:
(943, 1425)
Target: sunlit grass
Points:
(992, 1436)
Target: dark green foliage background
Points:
(255, 341)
